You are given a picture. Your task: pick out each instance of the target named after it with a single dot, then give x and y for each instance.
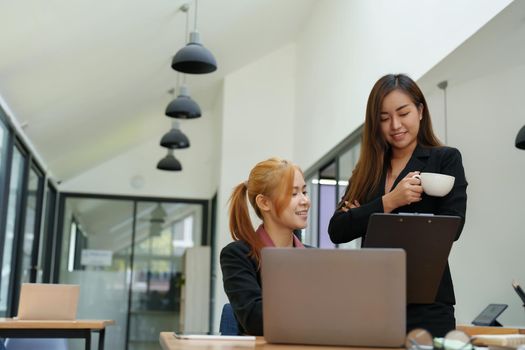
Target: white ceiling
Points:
(497, 46)
(84, 73)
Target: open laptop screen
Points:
(39, 301)
(334, 297)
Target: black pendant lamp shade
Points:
(520, 139)
(183, 106)
(175, 139)
(194, 58)
(169, 163)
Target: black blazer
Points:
(242, 284)
(345, 227)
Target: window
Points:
(327, 181)
(13, 211)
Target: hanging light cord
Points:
(187, 37)
(446, 112)
(195, 20)
(443, 86)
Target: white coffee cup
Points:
(434, 184)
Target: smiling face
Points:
(295, 214)
(400, 120)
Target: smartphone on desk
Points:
(519, 291)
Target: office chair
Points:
(228, 325)
(35, 344)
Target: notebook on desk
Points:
(334, 297)
(427, 240)
(39, 301)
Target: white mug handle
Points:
(417, 176)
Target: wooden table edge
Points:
(10, 323)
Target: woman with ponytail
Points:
(276, 191)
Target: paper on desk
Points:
(214, 337)
(502, 340)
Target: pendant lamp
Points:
(183, 106)
(520, 139)
(175, 138)
(169, 162)
(194, 58)
(158, 214)
(157, 219)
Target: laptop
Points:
(334, 297)
(427, 240)
(39, 301)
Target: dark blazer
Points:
(242, 284)
(345, 227)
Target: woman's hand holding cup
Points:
(407, 191)
(434, 184)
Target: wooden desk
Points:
(80, 329)
(475, 330)
(169, 342)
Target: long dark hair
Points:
(375, 150)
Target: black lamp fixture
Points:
(175, 138)
(169, 162)
(194, 58)
(520, 139)
(183, 106)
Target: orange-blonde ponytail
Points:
(241, 226)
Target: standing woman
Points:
(398, 142)
(277, 193)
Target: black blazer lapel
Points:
(417, 162)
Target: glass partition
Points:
(97, 234)
(129, 258)
(163, 233)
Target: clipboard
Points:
(426, 239)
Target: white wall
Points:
(483, 121)
(485, 113)
(139, 164)
(258, 110)
(348, 45)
